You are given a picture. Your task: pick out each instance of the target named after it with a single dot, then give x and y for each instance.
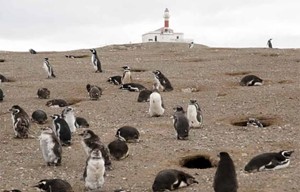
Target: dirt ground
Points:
(213, 74)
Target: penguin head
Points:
(193, 101)
(46, 59)
(254, 122)
(15, 109)
(157, 72)
(126, 67)
(93, 51)
(86, 134)
(67, 110)
(96, 153)
(286, 154)
(223, 154)
(119, 137)
(178, 108)
(43, 184)
(55, 116)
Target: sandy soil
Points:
(213, 72)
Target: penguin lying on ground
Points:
(94, 91)
(254, 123)
(251, 80)
(39, 116)
(52, 185)
(57, 103)
(43, 93)
(116, 80)
(130, 134)
(133, 87)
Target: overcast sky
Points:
(55, 25)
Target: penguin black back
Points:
(130, 134)
(144, 95)
(162, 80)
(118, 148)
(62, 129)
(225, 177)
(57, 103)
(81, 122)
(251, 80)
(54, 185)
(43, 93)
(39, 116)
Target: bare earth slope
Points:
(213, 72)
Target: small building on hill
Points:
(164, 34)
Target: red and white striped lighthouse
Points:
(166, 17)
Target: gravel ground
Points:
(213, 74)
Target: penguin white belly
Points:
(156, 105)
(94, 62)
(158, 84)
(126, 78)
(14, 124)
(47, 146)
(45, 66)
(192, 116)
(70, 119)
(95, 174)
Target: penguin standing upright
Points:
(94, 91)
(172, 179)
(91, 141)
(52, 185)
(62, 130)
(269, 161)
(68, 115)
(156, 108)
(181, 124)
(116, 80)
(50, 146)
(225, 177)
(94, 171)
(96, 61)
(126, 78)
(118, 148)
(162, 81)
(269, 43)
(194, 114)
(191, 45)
(48, 68)
(21, 121)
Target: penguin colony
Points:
(98, 155)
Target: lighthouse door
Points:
(155, 38)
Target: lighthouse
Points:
(165, 33)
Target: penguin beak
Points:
(289, 153)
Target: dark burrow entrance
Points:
(265, 121)
(197, 162)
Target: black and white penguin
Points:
(162, 81)
(156, 107)
(94, 171)
(118, 148)
(191, 45)
(3, 79)
(13, 190)
(52, 185)
(194, 114)
(269, 161)
(62, 130)
(50, 147)
(129, 134)
(126, 77)
(91, 141)
(21, 121)
(81, 123)
(269, 43)
(39, 116)
(1, 95)
(225, 179)
(172, 179)
(181, 124)
(251, 80)
(144, 95)
(57, 103)
(133, 87)
(116, 80)
(96, 61)
(32, 51)
(254, 123)
(43, 93)
(48, 68)
(94, 91)
(68, 115)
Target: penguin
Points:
(194, 114)
(156, 108)
(13, 190)
(129, 134)
(68, 115)
(269, 161)
(269, 43)
(116, 80)
(96, 61)
(225, 179)
(39, 116)
(62, 130)
(52, 185)
(1, 95)
(48, 68)
(191, 45)
(21, 121)
(144, 95)
(94, 91)
(118, 148)
(43, 93)
(181, 124)
(81, 123)
(57, 103)
(51, 147)
(251, 80)
(32, 51)
(162, 81)
(172, 179)
(91, 141)
(94, 171)
(254, 123)
(126, 78)
(3, 79)
(133, 87)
